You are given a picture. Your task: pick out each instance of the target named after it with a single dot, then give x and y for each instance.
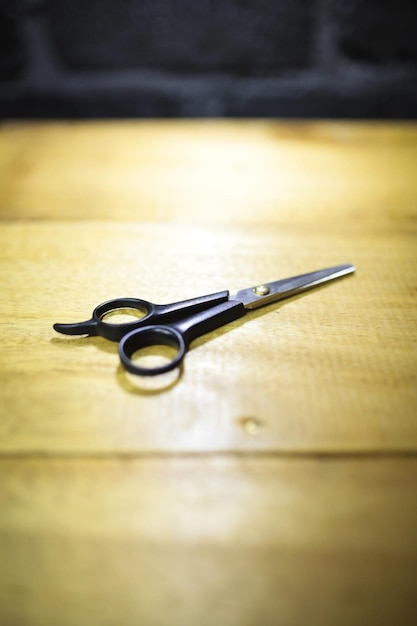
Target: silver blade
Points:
(266, 293)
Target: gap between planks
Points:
(295, 455)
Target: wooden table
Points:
(273, 482)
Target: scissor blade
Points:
(266, 293)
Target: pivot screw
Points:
(261, 290)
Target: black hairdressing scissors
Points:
(179, 323)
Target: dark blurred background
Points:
(208, 58)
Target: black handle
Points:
(178, 335)
(114, 332)
(152, 313)
(152, 336)
(99, 326)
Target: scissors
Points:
(179, 323)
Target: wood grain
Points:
(334, 369)
(272, 482)
(225, 541)
(214, 171)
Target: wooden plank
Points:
(213, 171)
(332, 370)
(134, 519)
(203, 541)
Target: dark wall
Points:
(168, 58)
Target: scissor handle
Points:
(115, 332)
(152, 336)
(153, 313)
(177, 335)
